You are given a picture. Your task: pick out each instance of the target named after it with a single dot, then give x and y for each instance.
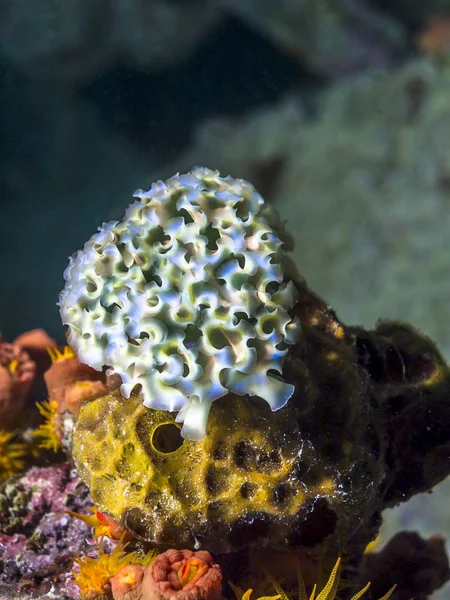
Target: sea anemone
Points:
(12, 454)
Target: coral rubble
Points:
(38, 541)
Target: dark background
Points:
(83, 123)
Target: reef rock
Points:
(367, 427)
(418, 567)
(354, 420)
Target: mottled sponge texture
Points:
(187, 297)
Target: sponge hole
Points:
(167, 438)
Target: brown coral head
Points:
(126, 585)
(184, 575)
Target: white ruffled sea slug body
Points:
(186, 297)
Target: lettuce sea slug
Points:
(187, 297)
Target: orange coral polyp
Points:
(130, 575)
(182, 574)
(96, 573)
(48, 431)
(12, 455)
(129, 578)
(12, 367)
(192, 570)
(56, 354)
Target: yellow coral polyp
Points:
(57, 355)
(48, 431)
(248, 593)
(373, 545)
(12, 367)
(436, 377)
(12, 455)
(328, 592)
(95, 573)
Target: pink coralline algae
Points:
(38, 541)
